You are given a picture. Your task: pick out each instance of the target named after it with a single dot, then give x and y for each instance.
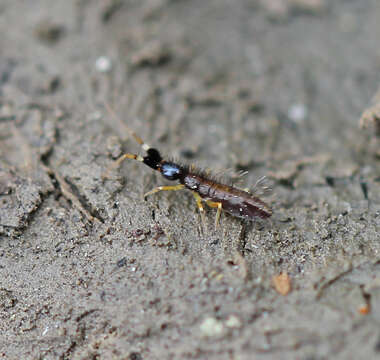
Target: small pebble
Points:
(233, 322)
(297, 112)
(211, 327)
(103, 64)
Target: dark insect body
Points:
(238, 203)
(235, 201)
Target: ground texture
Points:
(286, 89)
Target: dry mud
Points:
(91, 270)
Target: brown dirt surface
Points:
(91, 270)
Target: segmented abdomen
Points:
(234, 201)
(240, 203)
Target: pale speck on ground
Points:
(91, 270)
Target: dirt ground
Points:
(91, 270)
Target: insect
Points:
(237, 202)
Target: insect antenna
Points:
(125, 156)
(131, 133)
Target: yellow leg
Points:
(198, 199)
(118, 161)
(164, 188)
(128, 156)
(218, 212)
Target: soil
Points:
(91, 270)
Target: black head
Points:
(153, 158)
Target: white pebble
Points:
(103, 64)
(297, 112)
(211, 327)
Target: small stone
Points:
(282, 283)
(297, 113)
(211, 327)
(49, 32)
(233, 322)
(103, 64)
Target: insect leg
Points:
(117, 163)
(218, 212)
(198, 199)
(127, 156)
(164, 188)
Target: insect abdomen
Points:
(234, 201)
(248, 208)
(240, 203)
